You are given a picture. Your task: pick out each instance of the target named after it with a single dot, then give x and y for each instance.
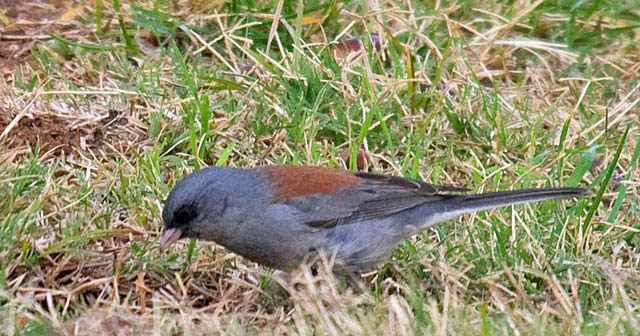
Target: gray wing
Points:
(378, 196)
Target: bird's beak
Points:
(169, 237)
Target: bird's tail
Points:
(505, 198)
(440, 210)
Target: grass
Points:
(105, 113)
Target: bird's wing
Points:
(343, 197)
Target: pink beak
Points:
(169, 237)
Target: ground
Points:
(105, 105)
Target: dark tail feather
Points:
(505, 198)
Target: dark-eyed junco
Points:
(280, 215)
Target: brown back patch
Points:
(293, 181)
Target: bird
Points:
(280, 216)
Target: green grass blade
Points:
(605, 183)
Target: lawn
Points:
(105, 105)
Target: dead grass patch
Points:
(56, 134)
(27, 23)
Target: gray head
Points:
(196, 205)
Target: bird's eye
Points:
(184, 215)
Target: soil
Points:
(54, 133)
(50, 131)
(25, 23)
